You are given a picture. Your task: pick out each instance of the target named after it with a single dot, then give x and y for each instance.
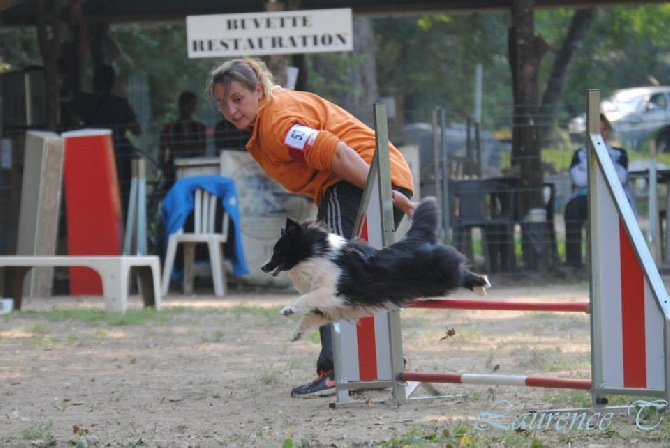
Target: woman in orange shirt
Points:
(311, 147)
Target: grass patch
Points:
(576, 398)
(217, 336)
(315, 337)
(39, 434)
(131, 317)
(271, 315)
(42, 341)
(269, 377)
(462, 435)
(143, 316)
(467, 434)
(564, 363)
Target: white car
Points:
(637, 114)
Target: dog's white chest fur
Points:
(314, 273)
(319, 271)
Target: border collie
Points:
(341, 279)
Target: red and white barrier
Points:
(630, 324)
(361, 349)
(92, 203)
(493, 379)
(461, 304)
(630, 308)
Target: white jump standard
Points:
(629, 310)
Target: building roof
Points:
(23, 12)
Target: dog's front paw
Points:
(481, 290)
(287, 311)
(297, 334)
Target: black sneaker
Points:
(323, 386)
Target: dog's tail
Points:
(474, 282)
(424, 220)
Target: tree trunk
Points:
(579, 27)
(356, 83)
(49, 28)
(526, 50)
(362, 74)
(277, 63)
(98, 32)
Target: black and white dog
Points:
(341, 279)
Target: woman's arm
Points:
(350, 166)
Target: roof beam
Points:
(23, 12)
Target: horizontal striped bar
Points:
(492, 379)
(493, 305)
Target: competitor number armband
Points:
(299, 140)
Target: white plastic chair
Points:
(204, 231)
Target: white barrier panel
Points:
(361, 348)
(630, 303)
(362, 351)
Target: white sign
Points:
(282, 32)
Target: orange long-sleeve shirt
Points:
(294, 138)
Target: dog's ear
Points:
(291, 226)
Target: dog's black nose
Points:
(266, 268)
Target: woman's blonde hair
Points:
(247, 71)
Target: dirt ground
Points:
(208, 372)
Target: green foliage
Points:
(426, 61)
(606, 60)
(170, 72)
(430, 61)
(329, 74)
(18, 49)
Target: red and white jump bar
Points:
(497, 305)
(493, 379)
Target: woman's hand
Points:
(403, 203)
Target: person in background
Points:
(182, 138)
(576, 210)
(311, 147)
(104, 109)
